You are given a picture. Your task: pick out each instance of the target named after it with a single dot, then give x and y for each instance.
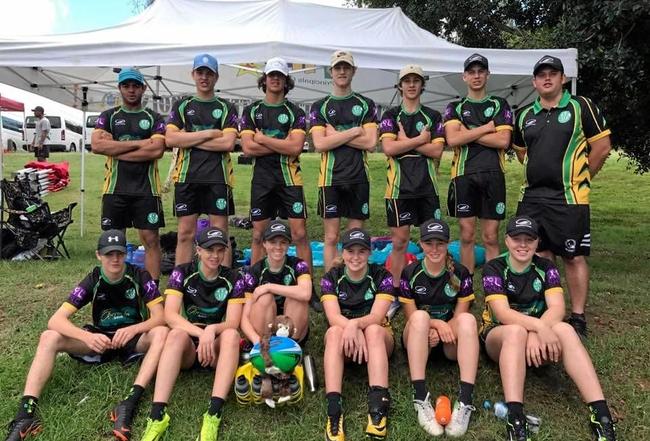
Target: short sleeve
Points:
(594, 125)
(388, 127)
(158, 125)
(175, 282)
(552, 280)
(246, 122)
(437, 129)
(250, 282)
(82, 294)
(371, 116)
(405, 293)
(518, 135)
(466, 289)
(451, 114)
(238, 294)
(149, 289)
(46, 125)
(175, 118)
(232, 120)
(301, 268)
(503, 120)
(315, 117)
(385, 289)
(328, 286)
(493, 284)
(104, 121)
(300, 121)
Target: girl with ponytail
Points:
(436, 294)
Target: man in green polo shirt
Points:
(563, 141)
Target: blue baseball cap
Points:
(130, 73)
(206, 60)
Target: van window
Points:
(73, 127)
(55, 122)
(91, 121)
(12, 124)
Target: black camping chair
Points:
(30, 218)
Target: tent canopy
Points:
(163, 40)
(7, 105)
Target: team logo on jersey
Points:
(259, 116)
(152, 218)
(130, 293)
(405, 216)
(216, 113)
(488, 112)
(343, 295)
(220, 294)
(511, 287)
(181, 207)
(420, 290)
(437, 214)
(331, 208)
(368, 295)
(449, 291)
(500, 208)
(570, 245)
(564, 117)
(467, 113)
(364, 208)
(192, 291)
(144, 124)
(256, 211)
(530, 123)
(221, 203)
(120, 122)
(297, 207)
(462, 208)
(419, 126)
(106, 221)
(288, 279)
(386, 125)
(357, 110)
(537, 285)
(283, 118)
(331, 112)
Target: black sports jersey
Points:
(344, 164)
(130, 177)
(205, 301)
(557, 150)
(526, 292)
(411, 174)
(293, 269)
(435, 293)
(194, 165)
(474, 157)
(118, 304)
(276, 121)
(356, 297)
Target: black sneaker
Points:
(603, 429)
(579, 323)
(122, 418)
(20, 429)
(517, 430)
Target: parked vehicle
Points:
(91, 120)
(65, 135)
(12, 134)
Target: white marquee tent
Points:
(163, 40)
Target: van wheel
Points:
(73, 147)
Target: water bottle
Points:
(256, 389)
(500, 410)
(310, 373)
(242, 390)
(295, 389)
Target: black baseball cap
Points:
(434, 229)
(356, 236)
(476, 59)
(111, 240)
(522, 225)
(550, 61)
(212, 236)
(277, 228)
(38, 109)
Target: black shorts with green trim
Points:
(563, 229)
(481, 195)
(126, 354)
(351, 201)
(121, 211)
(193, 198)
(269, 200)
(403, 212)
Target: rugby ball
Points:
(285, 354)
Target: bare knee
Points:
(299, 235)
(257, 237)
(159, 334)
(563, 329)
(467, 235)
(176, 338)
(490, 238)
(374, 335)
(466, 323)
(419, 322)
(515, 335)
(331, 238)
(50, 340)
(333, 336)
(229, 338)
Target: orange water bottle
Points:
(443, 410)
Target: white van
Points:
(65, 135)
(12, 134)
(91, 120)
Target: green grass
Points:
(77, 400)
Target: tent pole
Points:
(156, 100)
(2, 201)
(574, 86)
(82, 184)
(2, 147)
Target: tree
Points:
(613, 57)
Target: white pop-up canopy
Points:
(163, 40)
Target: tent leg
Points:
(574, 86)
(82, 183)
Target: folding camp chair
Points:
(31, 219)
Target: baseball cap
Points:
(476, 59)
(522, 225)
(550, 61)
(411, 69)
(276, 64)
(38, 109)
(111, 240)
(434, 229)
(341, 57)
(206, 60)
(130, 73)
(212, 236)
(356, 236)
(277, 228)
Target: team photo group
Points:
(209, 310)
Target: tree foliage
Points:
(610, 35)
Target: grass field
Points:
(77, 400)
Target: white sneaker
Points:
(427, 417)
(459, 419)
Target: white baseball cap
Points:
(276, 64)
